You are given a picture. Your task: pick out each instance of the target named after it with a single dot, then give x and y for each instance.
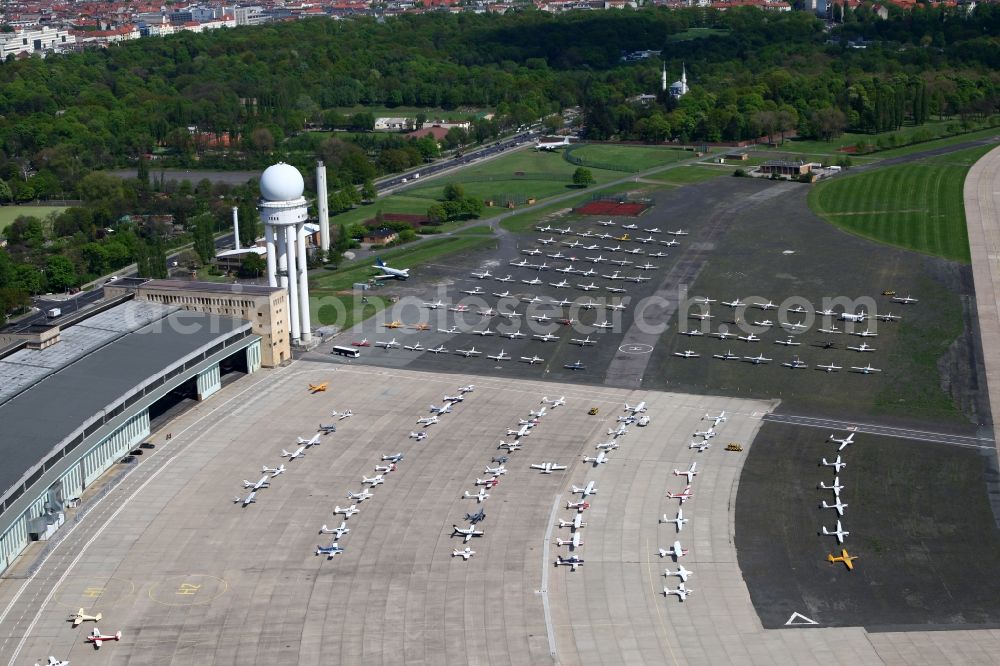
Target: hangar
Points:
(72, 407)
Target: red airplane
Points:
(579, 506)
(97, 638)
(361, 343)
(683, 496)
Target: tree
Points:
(204, 237)
(454, 192)
(60, 273)
(368, 191)
(5, 194)
(253, 266)
(436, 214)
(583, 177)
(827, 123)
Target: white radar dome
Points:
(281, 182)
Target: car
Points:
(147, 445)
(889, 292)
(128, 459)
(136, 452)
(593, 411)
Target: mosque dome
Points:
(281, 182)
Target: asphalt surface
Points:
(919, 520)
(985, 443)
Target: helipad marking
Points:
(636, 348)
(799, 620)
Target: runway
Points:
(872, 429)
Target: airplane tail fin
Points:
(285, 453)
(379, 262)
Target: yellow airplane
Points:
(847, 559)
(624, 237)
(80, 616)
(394, 324)
(421, 327)
(316, 388)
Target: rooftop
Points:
(210, 287)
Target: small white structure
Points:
(283, 210)
(678, 88)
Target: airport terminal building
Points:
(79, 395)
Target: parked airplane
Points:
(445, 408)
(580, 506)
(683, 495)
(362, 496)
(840, 533)
(465, 554)
(701, 446)
(318, 388)
(681, 573)
(273, 471)
(863, 347)
(604, 325)
(585, 491)
(572, 561)
(888, 317)
(429, 420)
(735, 303)
(609, 445)
(905, 300)
(578, 365)
(573, 542)
(844, 442)
(298, 453)
(531, 360)
(548, 337)
(339, 531)
(575, 524)
(523, 431)
(728, 356)
(681, 591)
(533, 281)
(361, 343)
(844, 557)
(387, 344)
(587, 287)
(376, 480)
(670, 243)
(599, 459)
(97, 638)
(476, 517)
(482, 276)
(468, 352)
(764, 323)
(52, 661)
(790, 342)
(690, 473)
(757, 360)
(836, 505)
(496, 471)
(829, 368)
(678, 520)
(837, 464)
(348, 511)
(675, 551)
(835, 487)
(583, 342)
(795, 363)
(262, 483)
(247, 501)
(829, 331)
(701, 316)
(330, 551)
(551, 145)
(79, 617)
(866, 370)
(694, 332)
(853, 316)
(481, 496)
(414, 347)
(679, 232)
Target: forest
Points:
(245, 97)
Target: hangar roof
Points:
(108, 357)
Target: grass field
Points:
(917, 206)
(691, 174)
(629, 158)
(526, 220)
(10, 213)
(696, 33)
(931, 129)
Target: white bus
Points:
(345, 351)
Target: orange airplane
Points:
(394, 324)
(844, 557)
(316, 388)
(421, 327)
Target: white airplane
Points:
(646, 267)
(533, 252)
(79, 617)
(273, 471)
(589, 272)
(609, 445)
(537, 414)
(55, 662)
(499, 357)
(706, 434)
(765, 306)
(548, 337)
(477, 291)
(394, 457)
(683, 495)
(607, 223)
(798, 309)
(376, 480)
(796, 363)
(835, 487)
(468, 352)
(434, 306)
(681, 573)
(687, 353)
(531, 360)
(573, 542)
(856, 317)
(670, 243)
(387, 272)
(735, 303)
(679, 232)
(763, 322)
(566, 269)
(630, 226)
(588, 287)
(467, 533)
(690, 473)
(387, 345)
(97, 638)
(582, 342)
(580, 506)
(757, 360)
(298, 453)
(659, 254)
(533, 299)
(545, 229)
(440, 349)
(599, 459)
(547, 241)
(464, 554)
(829, 331)
(837, 464)
(585, 491)
(520, 264)
(701, 316)
(496, 471)
(836, 505)
(728, 356)
(429, 420)
(560, 285)
(675, 551)
(504, 279)
(790, 342)
(348, 511)
(572, 561)
(604, 325)
(534, 281)
(523, 431)
(482, 276)
(414, 347)
(905, 300)
(863, 347)
(484, 332)
(648, 239)
(262, 483)
(481, 496)
(616, 248)
(678, 520)
(694, 332)
(574, 244)
(339, 531)
(794, 325)
(840, 533)
(445, 408)
(468, 388)
(636, 409)
(829, 367)
(552, 145)
(844, 442)
(561, 400)
(716, 420)
(888, 317)
(866, 370)
(749, 338)
(681, 591)
(701, 446)
(575, 524)
(513, 335)
(622, 430)
(360, 497)
(489, 483)
(543, 319)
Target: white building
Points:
(39, 39)
(678, 88)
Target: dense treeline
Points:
(241, 98)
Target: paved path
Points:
(872, 429)
(982, 216)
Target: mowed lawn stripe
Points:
(917, 206)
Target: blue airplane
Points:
(329, 551)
